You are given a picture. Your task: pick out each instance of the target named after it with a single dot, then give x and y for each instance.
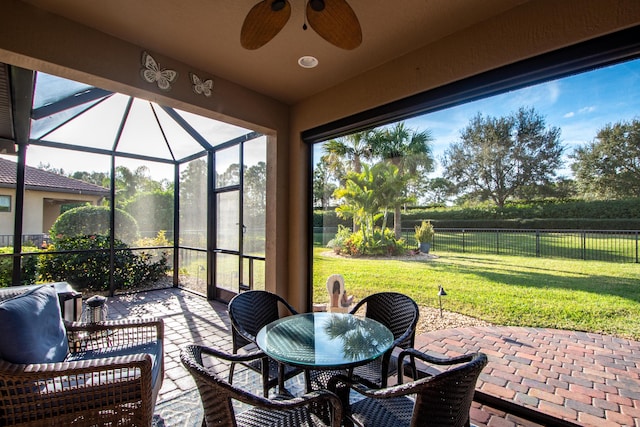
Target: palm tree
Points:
(407, 149)
(360, 201)
(346, 154)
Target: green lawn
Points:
(579, 295)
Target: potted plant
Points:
(424, 235)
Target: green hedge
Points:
(28, 270)
(88, 220)
(575, 214)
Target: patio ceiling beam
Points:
(21, 83)
(187, 127)
(70, 101)
(44, 143)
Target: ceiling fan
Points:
(333, 20)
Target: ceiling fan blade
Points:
(263, 22)
(337, 23)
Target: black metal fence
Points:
(597, 245)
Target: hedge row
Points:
(579, 214)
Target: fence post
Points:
(463, 246)
(497, 242)
(584, 245)
(636, 246)
(538, 243)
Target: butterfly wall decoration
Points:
(152, 73)
(201, 87)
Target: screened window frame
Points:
(589, 55)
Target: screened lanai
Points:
(179, 205)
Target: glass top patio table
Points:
(324, 340)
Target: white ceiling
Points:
(206, 34)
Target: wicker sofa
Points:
(106, 373)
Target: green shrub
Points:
(159, 240)
(424, 232)
(28, 269)
(94, 220)
(383, 243)
(90, 269)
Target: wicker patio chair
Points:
(399, 313)
(441, 399)
(217, 395)
(248, 312)
(107, 378)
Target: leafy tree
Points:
(496, 157)
(128, 183)
(193, 200)
(323, 188)
(97, 178)
(609, 167)
(408, 150)
(153, 211)
(255, 189)
(229, 177)
(439, 190)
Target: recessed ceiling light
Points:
(307, 62)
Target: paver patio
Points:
(585, 379)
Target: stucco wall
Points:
(38, 214)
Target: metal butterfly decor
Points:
(152, 73)
(201, 87)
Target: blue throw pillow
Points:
(32, 329)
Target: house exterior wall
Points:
(41, 209)
(7, 218)
(534, 28)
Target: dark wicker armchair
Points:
(399, 313)
(217, 395)
(442, 399)
(108, 378)
(54, 372)
(248, 312)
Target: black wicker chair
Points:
(442, 399)
(248, 312)
(397, 312)
(217, 397)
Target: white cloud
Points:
(586, 110)
(569, 115)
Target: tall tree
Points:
(439, 190)
(609, 167)
(408, 150)
(323, 188)
(255, 189)
(193, 202)
(347, 154)
(496, 157)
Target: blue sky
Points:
(579, 105)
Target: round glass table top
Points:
(324, 340)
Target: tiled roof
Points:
(38, 179)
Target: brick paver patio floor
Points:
(587, 379)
